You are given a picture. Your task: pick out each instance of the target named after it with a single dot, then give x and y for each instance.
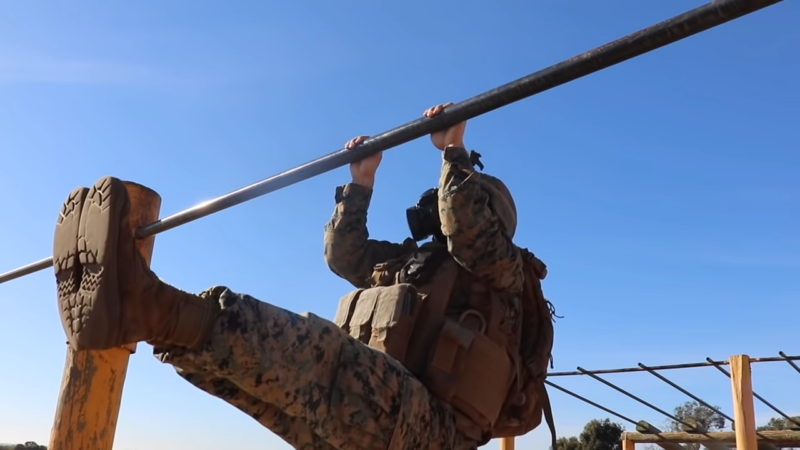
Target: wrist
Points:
(366, 181)
(455, 143)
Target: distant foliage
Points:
(780, 423)
(596, 435)
(30, 445)
(694, 413)
(699, 415)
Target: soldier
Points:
(301, 376)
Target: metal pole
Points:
(667, 32)
(709, 363)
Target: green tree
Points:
(698, 415)
(568, 443)
(781, 423)
(30, 445)
(602, 435)
(596, 435)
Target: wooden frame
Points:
(744, 437)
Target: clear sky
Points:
(662, 193)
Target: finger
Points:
(447, 105)
(355, 142)
(433, 111)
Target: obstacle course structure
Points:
(93, 381)
(744, 436)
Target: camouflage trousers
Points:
(312, 384)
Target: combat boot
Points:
(108, 296)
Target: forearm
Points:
(348, 250)
(475, 236)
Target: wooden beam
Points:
(647, 428)
(781, 438)
(743, 408)
(91, 387)
(696, 428)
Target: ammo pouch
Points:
(381, 317)
(470, 372)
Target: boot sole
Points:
(92, 321)
(65, 259)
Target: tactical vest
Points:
(460, 338)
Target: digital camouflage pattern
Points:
(349, 251)
(340, 393)
(476, 237)
(302, 376)
(305, 379)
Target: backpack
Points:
(525, 407)
(393, 318)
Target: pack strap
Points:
(548, 414)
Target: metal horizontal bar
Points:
(638, 399)
(584, 399)
(709, 363)
(791, 363)
(685, 392)
(667, 32)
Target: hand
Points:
(451, 137)
(363, 171)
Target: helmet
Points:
(423, 218)
(501, 202)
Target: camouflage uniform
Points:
(312, 384)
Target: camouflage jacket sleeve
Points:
(474, 234)
(348, 250)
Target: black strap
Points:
(548, 414)
(423, 264)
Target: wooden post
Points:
(628, 445)
(507, 443)
(743, 408)
(91, 387)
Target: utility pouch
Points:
(470, 372)
(381, 317)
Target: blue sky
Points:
(662, 192)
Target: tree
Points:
(596, 435)
(602, 435)
(30, 445)
(698, 415)
(781, 423)
(568, 443)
